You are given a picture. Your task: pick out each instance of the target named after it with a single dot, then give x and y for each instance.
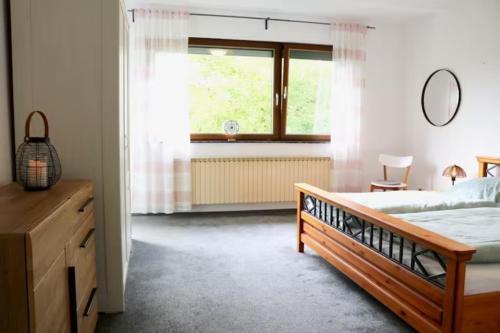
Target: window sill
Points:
(258, 141)
(259, 138)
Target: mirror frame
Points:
(423, 97)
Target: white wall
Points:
(68, 67)
(5, 144)
(381, 130)
(466, 40)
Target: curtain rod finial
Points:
(133, 14)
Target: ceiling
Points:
(396, 9)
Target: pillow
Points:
(478, 189)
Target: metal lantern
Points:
(37, 164)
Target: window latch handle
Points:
(277, 99)
(285, 92)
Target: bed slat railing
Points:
(433, 241)
(409, 255)
(415, 272)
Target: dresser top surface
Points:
(21, 211)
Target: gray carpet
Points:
(237, 272)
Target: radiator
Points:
(254, 180)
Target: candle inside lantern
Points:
(37, 174)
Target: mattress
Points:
(481, 278)
(395, 202)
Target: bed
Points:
(395, 202)
(420, 269)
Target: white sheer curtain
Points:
(159, 116)
(348, 80)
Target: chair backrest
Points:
(395, 161)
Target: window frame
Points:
(286, 65)
(280, 81)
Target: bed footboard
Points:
(416, 273)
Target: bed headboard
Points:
(487, 164)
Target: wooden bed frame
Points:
(373, 260)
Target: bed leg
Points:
(300, 223)
(458, 310)
(454, 296)
(300, 246)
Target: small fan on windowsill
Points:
(231, 128)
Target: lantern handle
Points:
(28, 123)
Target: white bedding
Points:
(477, 227)
(399, 202)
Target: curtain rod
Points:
(265, 19)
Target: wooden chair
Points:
(393, 162)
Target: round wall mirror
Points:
(441, 97)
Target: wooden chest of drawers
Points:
(47, 259)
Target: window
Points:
(307, 83)
(274, 91)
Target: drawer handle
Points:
(85, 241)
(86, 204)
(90, 303)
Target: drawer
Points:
(83, 239)
(49, 238)
(50, 300)
(81, 260)
(87, 313)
